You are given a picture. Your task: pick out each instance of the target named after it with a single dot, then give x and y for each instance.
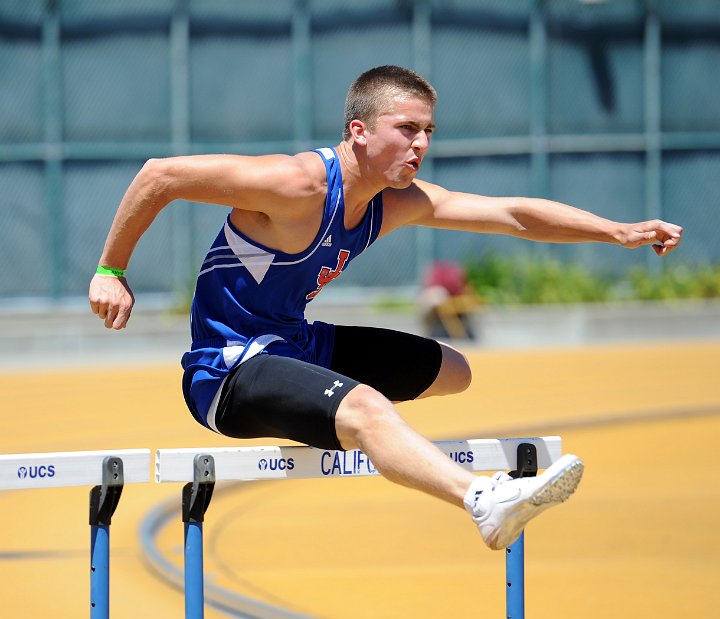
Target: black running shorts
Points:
(273, 396)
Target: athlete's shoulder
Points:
(299, 176)
(405, 207)
(288, 168)
(311, 166)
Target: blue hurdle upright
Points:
(201, 468)
(527, 466)
(107, 471)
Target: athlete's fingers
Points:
(660, 226)
(122, 317)
(670, 239)
(110, 316)
(99, 309)
(670, 230)
(661, 235)
(665, 248)
(96, 308)
(126, 304)
(646, 238)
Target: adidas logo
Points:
(328, 241)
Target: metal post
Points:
(527, 466)
(195, 500)
(515, 579)
(653, 120)
(539, 156)
(182, 215)
(194, 594)
(53, 150)
(301, 37)
(103, 501)
(99, 572)
(425, 238)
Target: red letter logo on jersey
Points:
(326, 274)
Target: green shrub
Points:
(676, 283)
(502, 280)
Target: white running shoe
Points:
(501, 506)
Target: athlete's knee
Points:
(462, 372)
(455, 373)
(362, 412)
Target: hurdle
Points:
(200, 469)
(107, 472)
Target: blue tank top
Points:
(251, 299)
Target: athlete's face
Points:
(399, 139)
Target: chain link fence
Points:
(559, 98)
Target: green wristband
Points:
(101, 270)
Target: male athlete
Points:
(257, 368)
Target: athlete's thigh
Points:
(399, 365)
(273, 396)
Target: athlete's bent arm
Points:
(547, 221)
(268, 184)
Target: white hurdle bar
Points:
(69, 468)
(262, 463)
(201, 468)
(107, 472)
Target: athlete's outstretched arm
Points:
(249, 183)
(426, 204)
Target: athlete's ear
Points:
(357, 132)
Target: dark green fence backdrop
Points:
(612, 106)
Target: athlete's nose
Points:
(421, 141)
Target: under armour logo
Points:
(330, 392)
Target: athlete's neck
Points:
(358, 185)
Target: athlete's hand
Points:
(663, 237)
(112, 300)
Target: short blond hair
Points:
(368, 95)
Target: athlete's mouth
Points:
(414, 164)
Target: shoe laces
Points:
(475, 506)
(499, 478)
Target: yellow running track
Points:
(640, 538)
